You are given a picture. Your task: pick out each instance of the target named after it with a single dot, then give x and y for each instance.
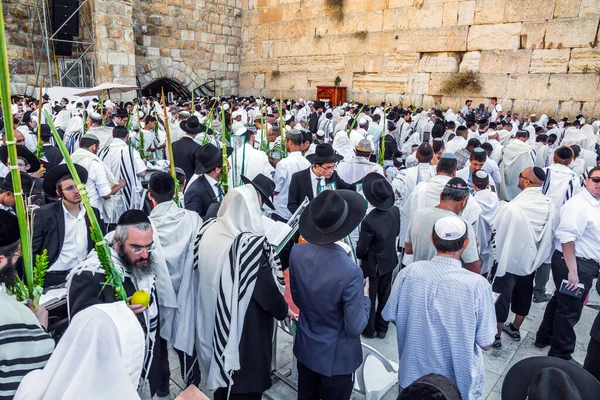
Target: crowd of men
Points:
(440, 222)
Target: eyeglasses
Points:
(330, 168)
(139, 249)
(595, 179)
(70, 188)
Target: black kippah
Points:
(457, 183)
(539, 173)
(9, 228)
(132, 217)
(564, 153)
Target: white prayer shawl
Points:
(414, 175)
(516, 156)
(543, 155)
(30, 138)
(575, 136)
(488, 202)
(427, 194)
(254, 162)
(456, 143)
(403, 132)
(121, 160)
(103, 133)
(238, 222)
(75, 127)
(341, 144)
(504, 137)
(100, 356)
(356, 135)
(356, 169)
(178, 230)
(561, 184)
(414, 139)
(588, 157)
(61, 120)
(524, 233)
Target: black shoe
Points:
(381, 335)
(540, 345)
(370, 336)
(542, 298)
(512, 332)
(164, 392)
(497, 343)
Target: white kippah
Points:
(363, 121)
(481, 174)
(225, 106)
(96, 116)
(450, 228)
(320, 133)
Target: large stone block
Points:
(388, 83)
(524, 10)
(489, 11)
(495, 37)
(548, 107)
(450, 14)
(332, 63)
(527, 86)
(572, 32)
(577, 87)
(585, 61)
(516, 61)
(491, 85)
(549, 61)
(470, 61)
(270, 15)
(439, 39)
(402, 62)
(466, 12)
(418, 83)
(589, 8)
(533, 35)
(491, 61)
(566, 8)
(438, 62)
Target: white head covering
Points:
(100, 356)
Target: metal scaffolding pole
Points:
(60, 68)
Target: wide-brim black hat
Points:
(122, 113)
(378, 191)
(53, 175)
(26, 183)
(265, 187)
(519, 379)
(209, 157)
(45, 131)
(23, 152)
(192, 126)
(9, 228)
(324, 153)
(332, 216)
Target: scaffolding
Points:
(52, 70)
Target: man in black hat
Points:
(315, 115)
(28, 162)
(206, 189)
(332, 295)
(25, 345)
(376, 248)
(185, 150)
(62, 228)
(132, 252)
(119, 118)
(319, 177)
(7, 192)
(51, 154)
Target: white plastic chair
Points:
(376, 375)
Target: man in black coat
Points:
(320, 176)
(52, 154)
(376, 248)
(185, 150)
(62, 228)
(206, 190)
(315, 115)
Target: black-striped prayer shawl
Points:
(244, 261)
(127, 172)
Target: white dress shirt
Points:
(214, 185)
(314, 180)
(580, 223)
(75, 245)
(287, 167)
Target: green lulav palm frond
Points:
(40, 268)
(113, 276)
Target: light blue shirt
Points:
(444, 315)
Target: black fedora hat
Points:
(209, 157)
(121, 112)
(378, 191)
(53, 175)
(45, 131)
(549, 378)
(332, 216)
(26, 183)
(324, 153)
(265, 186)
(23, 152)
(192, 126)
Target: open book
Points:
(279, 233)
(53, 296)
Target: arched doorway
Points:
(168, 85)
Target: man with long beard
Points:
(133, 244)
(25, 345)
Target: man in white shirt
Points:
(287, 167)
(496, 110)
(576, 260)
(248, 161)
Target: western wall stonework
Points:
(534, 55)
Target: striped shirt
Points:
(24, 345)
(444, 315)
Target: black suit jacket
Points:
(53, 155)
(376, 246)
(199, 196)
(49, 230)
(301, 187)
(390, 146)
(185, 151)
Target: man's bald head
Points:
(531, 177)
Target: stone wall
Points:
(534, 55)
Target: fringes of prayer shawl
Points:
(235, 292)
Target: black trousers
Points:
(563, 311)
(188, 366)
(314, 386)
(592, 359)
(221, 394)
(380, 288)
(515, 292)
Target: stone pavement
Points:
(497, 361)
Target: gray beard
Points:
(138, 272)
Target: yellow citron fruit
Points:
(141, 297)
